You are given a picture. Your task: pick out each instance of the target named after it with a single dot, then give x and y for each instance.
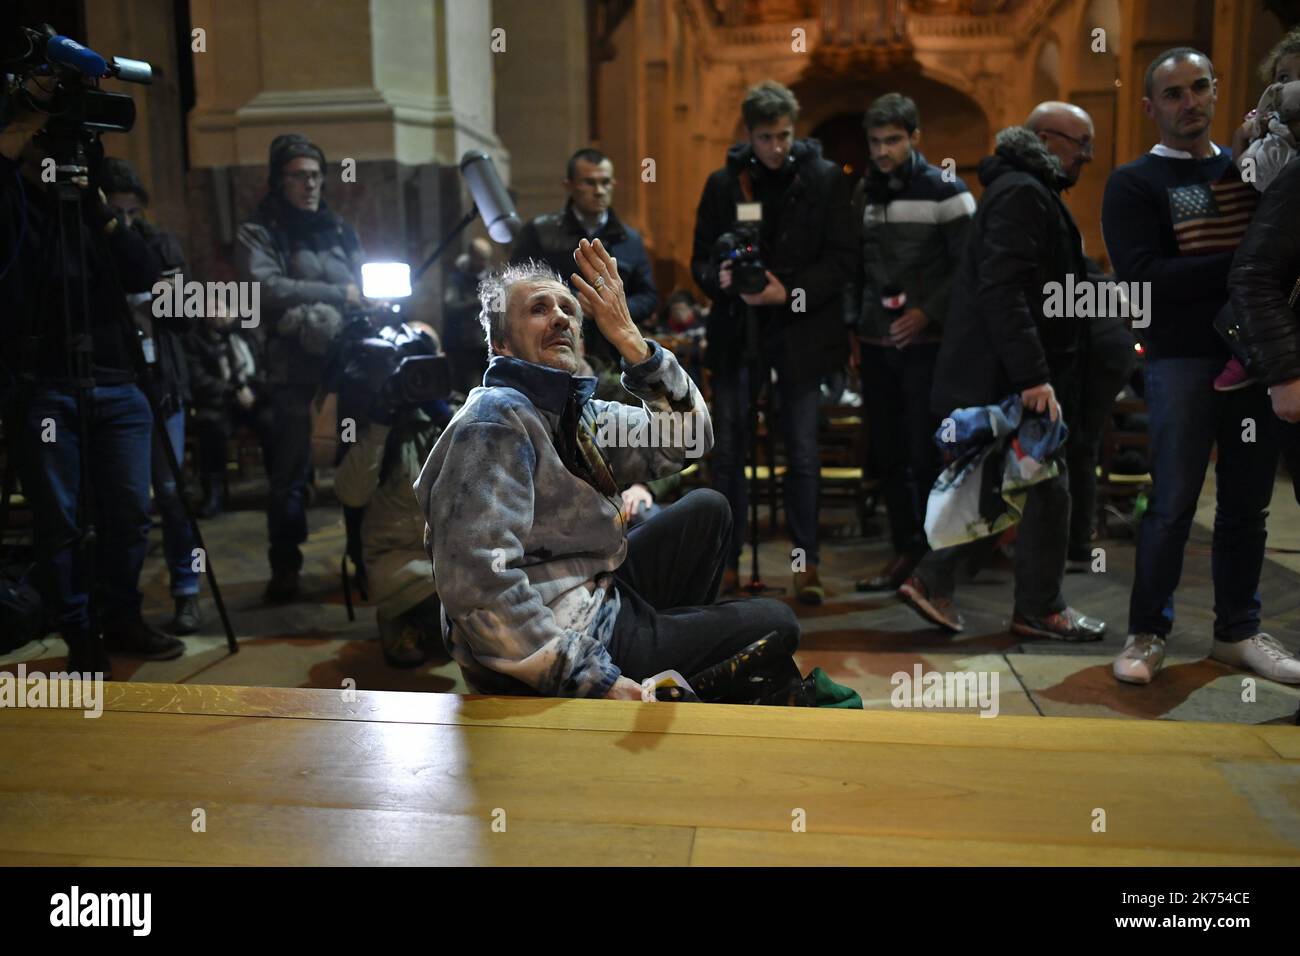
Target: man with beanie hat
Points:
(168, 388)
(308, 264)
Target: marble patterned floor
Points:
(864, 641)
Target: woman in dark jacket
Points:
(1264, 283)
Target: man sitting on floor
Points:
(544, 590)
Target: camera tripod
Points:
(69, 149)
(758, 379)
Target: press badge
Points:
(749, 212)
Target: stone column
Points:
(392, 91)
(542, 105)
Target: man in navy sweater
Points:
(1173, 219)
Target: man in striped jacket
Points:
(913, 221)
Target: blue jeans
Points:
(178, 539)
(117, 468)
(797, 415)
(1187, 418)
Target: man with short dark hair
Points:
(913, 224)
(1173, 218)
(588, 213)
(808, 249)
(544, 590)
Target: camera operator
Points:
(170, 386)
(377, 474)
(308, 262)
(118, 420)
(808, 247)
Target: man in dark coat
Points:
(589, 214)
(307, 263)
(794, 324)
(999, 341)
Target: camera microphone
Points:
(66, 52)
(495, 207)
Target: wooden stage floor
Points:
(302, 776)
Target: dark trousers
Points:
(1108, 364)
(1040, 552)
(290, 466)
(667, 586)
(797, 414)
(1187, 419)
(116, 461)
(896, 395)
(214, 430)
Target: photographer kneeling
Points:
(398, 428)
(543, 589)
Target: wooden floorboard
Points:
(304, 777)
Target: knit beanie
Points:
(289, 146)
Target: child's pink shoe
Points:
(1233, 377)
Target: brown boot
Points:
(808, 587)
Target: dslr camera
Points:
(739, 245)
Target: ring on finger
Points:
(600, 283)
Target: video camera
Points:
(397, 361)
(739, 245)
(76, 106)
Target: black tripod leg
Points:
(160, 430)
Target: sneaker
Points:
(892, 576)
(1263, 654)
(282, 587)
(187, 618)
(808, 587)
(137, 639)
(935, 609)
(1140, 660)
(1233, 377)
(1067, 625)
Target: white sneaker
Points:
(1262, 654)
(1140, 660)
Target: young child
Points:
(1274, 128)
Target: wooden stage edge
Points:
(292, 776)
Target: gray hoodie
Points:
(525, 530)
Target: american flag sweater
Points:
(1175, 223)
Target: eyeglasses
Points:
(1085, 145)
(304, 176)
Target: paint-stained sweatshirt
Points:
(524, 517)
